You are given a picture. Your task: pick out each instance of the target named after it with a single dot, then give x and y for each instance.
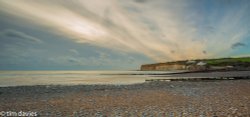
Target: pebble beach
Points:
(227, 98)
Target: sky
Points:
(119, 34)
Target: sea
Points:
(29, 78)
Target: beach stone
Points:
(204, 99)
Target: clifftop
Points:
(201, 64)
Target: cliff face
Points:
(169, 67)
(163, 67)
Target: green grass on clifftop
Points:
(227, 61)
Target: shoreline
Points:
(127, 79)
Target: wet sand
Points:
(211, 98)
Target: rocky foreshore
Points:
(213, 98)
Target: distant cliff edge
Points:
(242, 63)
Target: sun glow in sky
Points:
(118, 34)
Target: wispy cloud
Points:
(16, 44)
(238, 44)
(162, 29)
(18, 36)
(75, 52)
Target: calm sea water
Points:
(23, 78)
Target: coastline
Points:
(213, 98)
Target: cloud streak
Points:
(238, 44)
(162, 30)
(10, 34)
(16, 44)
